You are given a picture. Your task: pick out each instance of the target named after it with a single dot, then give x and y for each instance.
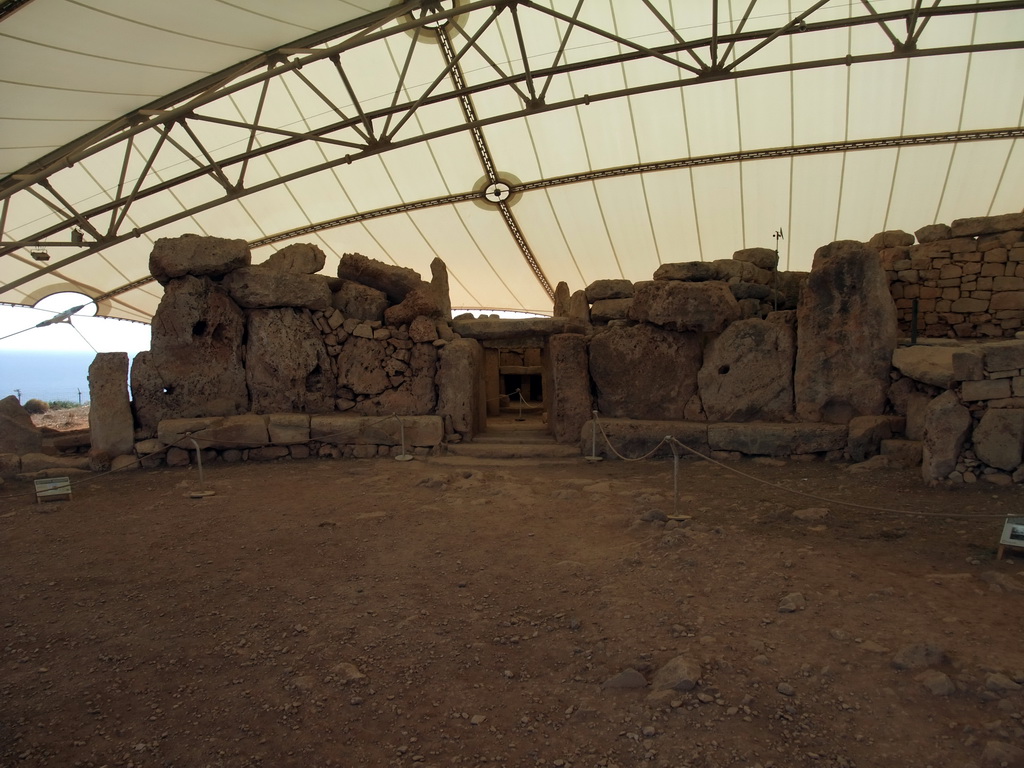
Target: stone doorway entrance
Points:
(515, 380)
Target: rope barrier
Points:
(673, 441)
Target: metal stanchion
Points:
(593, 441)
(201, 493)
(403, 456)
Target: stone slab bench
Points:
(633, 438)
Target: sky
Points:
(84, 332)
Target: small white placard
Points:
(1013, 532)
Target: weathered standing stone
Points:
(685, 306)
(999, 438)
(569, 405)
(629, 367)
(846, 334)
(17, 432)
(287, 367)
(946, 424)
(394, 281)
(196, 255)
(748, 372)
(194, 366)
(305, 258)
(262, 287)
(459, 385)
(111, 426)
(560, 308)
(579, 308)
(439, 286)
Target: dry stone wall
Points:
(966, 278)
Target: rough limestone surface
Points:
(360, 301)
(244, 431)
(560, 307)
(601, 290)
(1004, 355)
(196, 255)
(892, 238)
(287, 367)
(846, 335)
(569, 404)
(413, 391)
(111, 424)
(946, 426)
(706, 307)
(628, 368)
(926, 363)
(17, 432)
(606, 310)
(764, 258)
(262, 287)
(484, 328)
(748, 372)
(422, 329)
(422, 301)
(361, 366)
(439, 285)
(194, 366)
(681, 673)
(773, 439)
(999, 438)
(304, 258)
(288, 428)
(394, 281)
(687, 271)
(866, 434)
(579, 307)
(346, 429)
(458, 385)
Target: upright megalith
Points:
(568, 403)
(644, 372)
(111, 426)
(947, 423)
(17, 432)
(459, 385)
(194, 366)
(846, 334)
(748, 372)
(287, 367)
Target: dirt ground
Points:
(452, 612)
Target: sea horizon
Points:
(45, 375)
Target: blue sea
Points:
(47, 376)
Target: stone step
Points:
(532, 436)
(499, 450)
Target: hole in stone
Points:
(199, 328)
(723, 369)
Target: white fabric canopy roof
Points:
(524, 143)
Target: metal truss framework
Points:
(176, 121)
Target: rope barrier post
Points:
(675, 475)
(521, 401)
(403, 456)
(593, 457)
(201, 493)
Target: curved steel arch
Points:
(176, 120)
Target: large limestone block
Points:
(287, 367)
(999, 438)
(606, 310)
(111, 425)
(633, 438)
(194, 366)
(763, 258)
(344, 429)
(394, 281)
(946, 426)
(288, 428)
(846, 334)
(687, 271)
(569, 404)
(892, 238)
(685, 306)
(730, 270)
(196, 255)
(459, 387)
(928, 364)
(360, 301)
(304, 258)
(766, 439)
(748, 372)
(603, 290)
(866, 434)
(644, 372)
(17, 432)
(361, 366)
(34, 462)
(1004, 355)
(487, 328)
(260, 287)
(422, 301)
(987, 225)
(246, 431)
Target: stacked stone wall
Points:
(967, 278)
